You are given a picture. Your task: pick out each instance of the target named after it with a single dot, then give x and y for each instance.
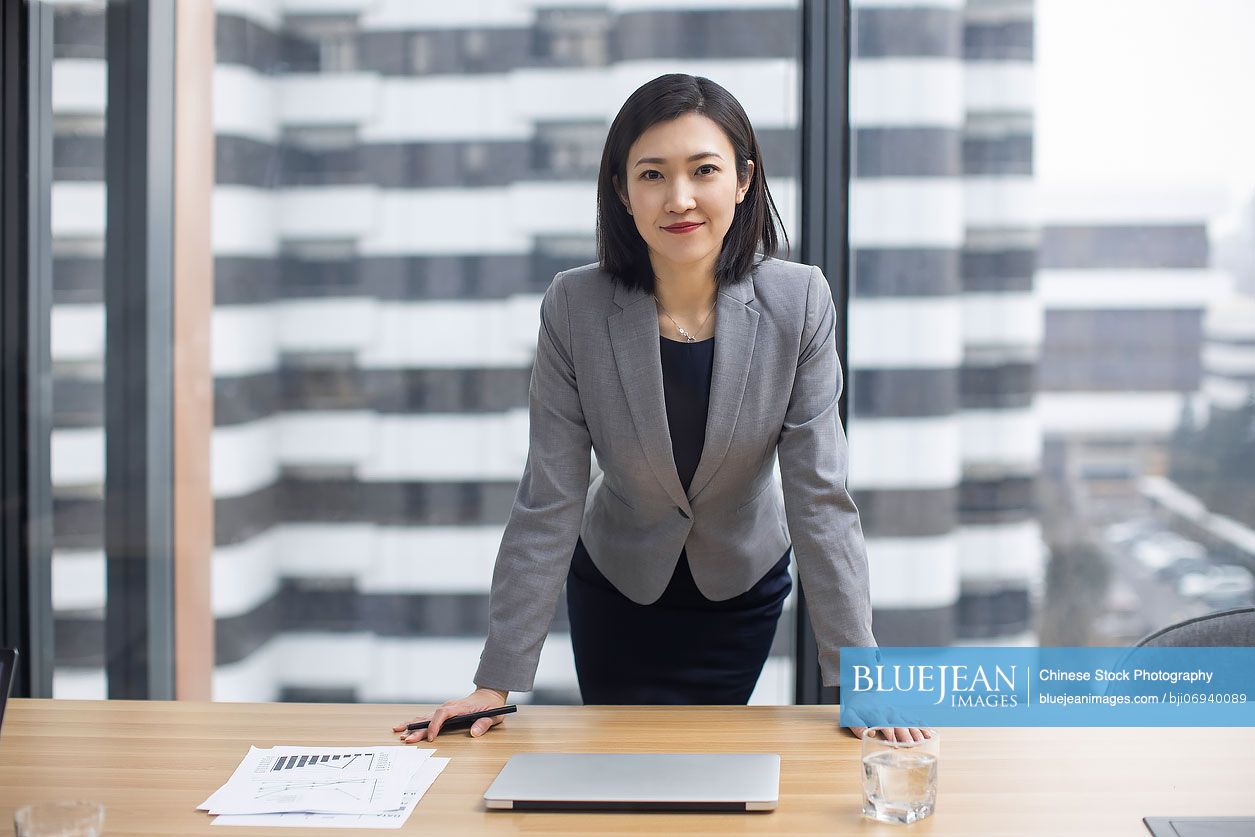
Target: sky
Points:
(1147, 92)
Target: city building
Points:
(1125, 277)
(944, 324)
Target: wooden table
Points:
(152, 763)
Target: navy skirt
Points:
(682, 649)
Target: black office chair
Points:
(1224, 628)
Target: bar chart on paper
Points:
(343, 762)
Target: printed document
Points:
(428, 770)
(330, 780)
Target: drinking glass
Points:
(60, 819)
(899, 777)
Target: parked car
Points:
(1163, 549)
(1125, 532)
(1182, 566)
(1223, 586)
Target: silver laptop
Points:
(637, 782)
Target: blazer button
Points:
(683, 514)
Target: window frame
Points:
(824, 232)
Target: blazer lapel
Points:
(735, 329)
(634, 337)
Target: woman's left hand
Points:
(893, 734)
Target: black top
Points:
(686, 371)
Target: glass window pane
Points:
(395, 191)
(78, 348)
(1051, 387)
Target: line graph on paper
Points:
(283, 791)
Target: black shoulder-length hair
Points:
(620, 248)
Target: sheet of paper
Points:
(336, 780)
(423, 778)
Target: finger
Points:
(901, 734)
(401, 726)
(917, 735)
(480, 727)
(437, 721)
(441, 717)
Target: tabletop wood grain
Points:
(152, 763)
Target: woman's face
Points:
(682, 189)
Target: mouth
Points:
(682, 228)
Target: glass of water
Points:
(62, 819)
(899, 778)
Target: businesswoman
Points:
(687, 358)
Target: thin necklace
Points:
(690, 338)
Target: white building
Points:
(944, 324)
(1125, 276)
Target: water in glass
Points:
(899, 785)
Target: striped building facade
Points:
(1000, 537)
(396, 185)
(944, 323)
(77, 349)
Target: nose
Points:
(680, 196)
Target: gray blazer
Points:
(597, 385)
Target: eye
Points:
(713, 168)
(645, 174)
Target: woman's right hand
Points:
(477, 701)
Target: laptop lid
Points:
(1200, 826)
(637, 782)
(8, 662)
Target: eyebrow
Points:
(699, 155)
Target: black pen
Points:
(463, 721)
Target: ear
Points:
(744, 186)
(623, 197)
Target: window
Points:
(575, 37)
(1041, 312)
(569, 149)
(332, 41)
